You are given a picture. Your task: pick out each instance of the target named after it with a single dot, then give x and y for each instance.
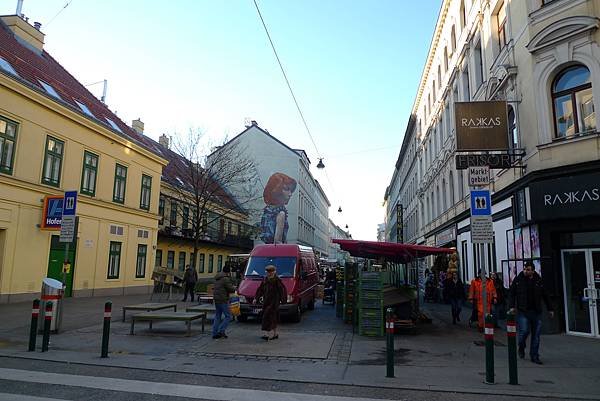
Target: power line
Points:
(286, 79)
(60, 11)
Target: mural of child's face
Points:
(286, 194)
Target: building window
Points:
(193, 260)
(446, 59)
(453, 40)
(501, 20)
(181, 264)
(114, 260)
(439, 76)
(572, 102)
(219, 263)
(479, 64)
(186, 217)
(211, 259)
(170, 259)
(463, 15)
(120, 181)
(201, 263)
(512, 128)
(229, 228)
(140, 266)
(158, 258)
(173, 216)
(89, 173)
(8, 136)
(451, 189)
(146, 192)
(53, 161)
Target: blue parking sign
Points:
(69, 203)
(481, 203)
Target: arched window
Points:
(439, 76)
(453, 40)
(445, 59)
(463, 15)
(572, 102)
(444, 197)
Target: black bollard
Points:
(489, 349)
(389, 332)
(35, 313)
(106, 329)
(511, 334)
(47, 321)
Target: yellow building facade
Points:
(61, 138)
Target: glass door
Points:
(581, 281)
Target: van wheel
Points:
(311, 304)
(242, 318)
(297, 316)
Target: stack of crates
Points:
(371, 320)
(339, 293)
(349, 293)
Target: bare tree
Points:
(214, 187)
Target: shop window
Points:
(573, 103)
(120, 183)
(140, 266)
(114, 260)
(8, 137)
(146, 192)
(53, 161)
(89, 173)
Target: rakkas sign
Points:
(481, 126)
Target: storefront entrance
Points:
(581, 283)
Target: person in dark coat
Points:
(190, 278)
(454, 291)
(273, 293)
(222, 289)
(526, 293)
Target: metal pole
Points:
(489, 349)
(35, 313)
(511, 334)
(47, 321)
(389, 330)
(106, 329)
(484, 293)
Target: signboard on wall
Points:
(52, 213)
(566, 197)
(497, 161)
(481, 126)
(399, 223)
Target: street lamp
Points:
(340, 209)
(320, 164)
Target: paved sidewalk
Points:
(320, 349)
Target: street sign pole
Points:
(68, 229)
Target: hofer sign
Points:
(52, 213)
(481, 126)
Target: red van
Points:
(297, 268)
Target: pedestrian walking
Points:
(498, 310)
(526, 294)
(221, 291)
(454, 292)
(476, 297)
(190, 278)
(273, 293)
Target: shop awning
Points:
(391, 251)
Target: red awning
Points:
(391, 251)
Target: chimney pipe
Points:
(19, 8)
(103, 99)
(138, 126)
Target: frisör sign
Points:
(481, 126)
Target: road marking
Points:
(166, 389)
(19, 397)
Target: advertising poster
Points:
(506, 273)
(535, 242)
(526, 243)
(518, 244)
(510, 244)
(519, 268)
(512, 271)
(538, 266)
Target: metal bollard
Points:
(389, 332)
(489, 349)
(106, 329)
(35, 313)
(47, 321)
(511, 334)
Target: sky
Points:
(354, 66)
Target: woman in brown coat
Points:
(273, 292)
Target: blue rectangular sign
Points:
(52, 213)
(70, 203)
(481, 203)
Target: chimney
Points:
(138, 126)
(164, 140)
(25, 33)
(254, 123)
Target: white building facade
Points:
(542, 58)
(308, 207)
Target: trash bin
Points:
(52, 291)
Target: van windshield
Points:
(286, 266)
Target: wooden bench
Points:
(149, 307)
(186, 317)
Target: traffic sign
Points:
(482, 230)
(69, 203)
(479, 176)
(481, 203)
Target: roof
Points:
(391, 251)
(33, 67)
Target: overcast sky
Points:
(354, 66)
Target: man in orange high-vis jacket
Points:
(476, 297)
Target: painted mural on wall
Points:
(274, 222)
